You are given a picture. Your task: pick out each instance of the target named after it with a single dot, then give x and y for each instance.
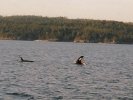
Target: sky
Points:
(118, 10)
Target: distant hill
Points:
(64, 29)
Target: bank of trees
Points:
(63, 29)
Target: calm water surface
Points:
(108, 74)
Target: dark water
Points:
(108, 74)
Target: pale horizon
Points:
(117, 10)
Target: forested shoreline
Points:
(64, 29)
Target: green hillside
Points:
(64, 29)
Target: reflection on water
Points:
(108, 74)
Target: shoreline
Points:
(64, 41)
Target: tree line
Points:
(64, 29)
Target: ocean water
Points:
(107, 75)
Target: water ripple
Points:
(107, 75)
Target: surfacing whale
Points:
(80, 60)
(23, 60)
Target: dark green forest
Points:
(64, 29)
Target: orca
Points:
(22, 60)
(80, 60)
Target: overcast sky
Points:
(119, 10)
